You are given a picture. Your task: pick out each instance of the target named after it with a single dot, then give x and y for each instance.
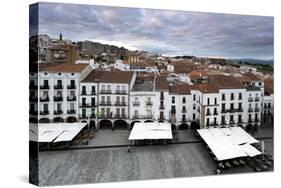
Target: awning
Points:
(155, 130)
(54, 132)
(229, 143)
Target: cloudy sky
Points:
(160, 31)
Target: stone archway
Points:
(44, 120)
(148, 121)
(71, 119)
(195, 125)
(183, 126)
(58, 120)
(105, 124)
(120, 124)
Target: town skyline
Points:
(169, 33)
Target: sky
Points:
(163, 32)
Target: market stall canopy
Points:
(229, 143)
(150, 131)
(54, 132)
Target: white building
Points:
(54, 92)
(104, 98)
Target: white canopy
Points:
(54, 132)
(229, 143)
(155, 130)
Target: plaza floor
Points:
(187, 157)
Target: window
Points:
(194, 97)
(72, 82)
(71, 106)
(93, 89)
(240, 118)
(83, 112)
(194, 116)
(240, 96)
(59, 82)
(83, 90)
(240, 106)
(173, 100)
(207, 121)
(46, 83)
(136, 113)
(215, 101)
(194, 107)
(45, 108)
(208, 101)
(231, 118)
(93, 101)
(232, 96)
(232, 106)
(223, 97)
(208, 111)
(215, 111)
(223, 107)
(183, 100)
(215, 120)
(222, 120)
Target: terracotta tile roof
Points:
(248, 77)
(181, 89)
(205, 87)
(268, 86)
(65, 67)
(196, 74)
(109, 76)
(161, 83)
(183, 67)
(225, 82)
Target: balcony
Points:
(223, 111)
(58, 112)
(83, 92)
(136, 103)
(240, 110)
(71, 86)
(257, 120)
(142, 117)
(58, 87)
(105, 91)
(173, 111)
(33, 98)
(45, 112)
(162, 97)
(250, 110)
(34, 87)
(208, 114)
(44, 99)
(149, 103)
(120, 116)
(104, 103)
(45, 87)
(58, 98)
(257, 109)
(71, 111)
(239, 121)
(71, 98)
(250, 99)
(215, 113)
(121, 92)
(120, 104)
(106, 115)
(257, 99)
(231, 122)
(162, 107)
(250, 121)
(183, 110)
(223, 123)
